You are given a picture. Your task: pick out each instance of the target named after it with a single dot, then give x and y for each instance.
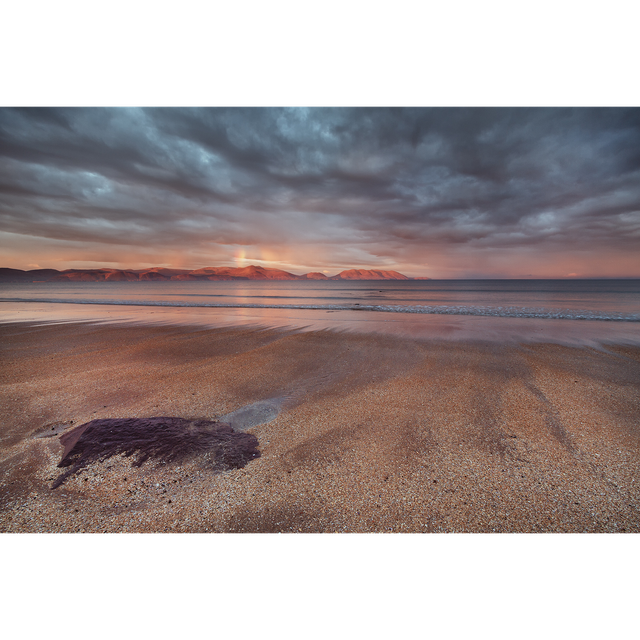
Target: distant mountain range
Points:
(206, 273)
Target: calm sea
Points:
(574, 311)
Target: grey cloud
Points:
(387, 177)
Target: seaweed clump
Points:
(164, 439)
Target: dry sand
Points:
(374, 433)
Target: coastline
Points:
(375, 433)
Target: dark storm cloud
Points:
(381, 179)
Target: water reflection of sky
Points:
(409, 325)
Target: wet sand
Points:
(367, 433)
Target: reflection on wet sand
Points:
(423, 326)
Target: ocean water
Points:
(571, 311)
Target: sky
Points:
(436, 192)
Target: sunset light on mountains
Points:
(159, 274)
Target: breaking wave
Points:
(454, 310)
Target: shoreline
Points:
(374, 432)
(513, 330)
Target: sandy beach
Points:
(366, 433)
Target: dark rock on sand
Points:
(165, 439)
